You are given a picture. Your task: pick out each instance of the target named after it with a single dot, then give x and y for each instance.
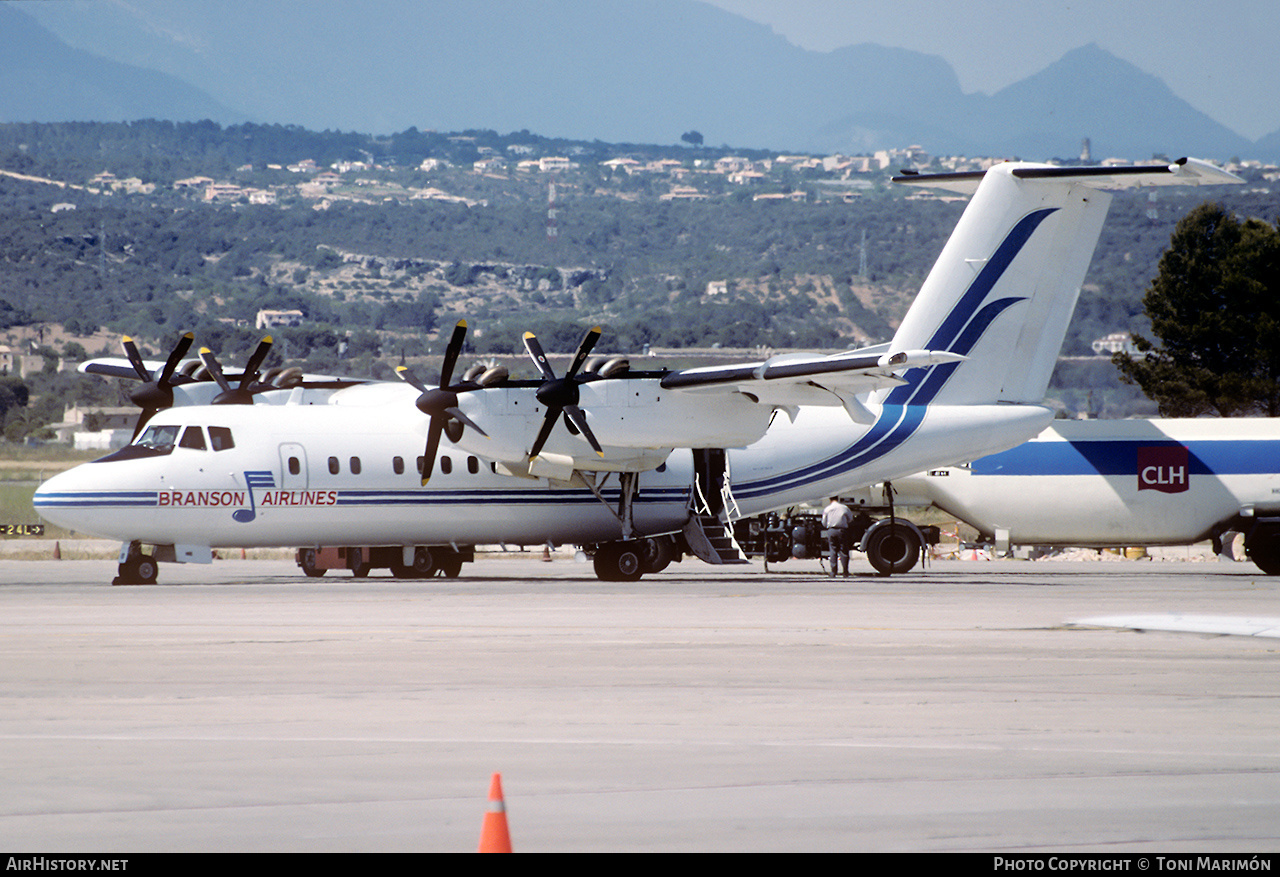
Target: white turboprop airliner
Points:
(338, 464)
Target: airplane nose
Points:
(75, 501)
(54, 500)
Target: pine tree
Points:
(1215, 310)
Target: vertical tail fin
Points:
(1004, 288)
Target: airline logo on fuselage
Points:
(268, 495)
(1164, 468)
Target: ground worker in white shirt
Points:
(836, 519)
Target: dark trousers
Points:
(838, 548)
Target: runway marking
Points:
(1222, 625)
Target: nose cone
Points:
(81, 499)
(58, 499)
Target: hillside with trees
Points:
(154, 228)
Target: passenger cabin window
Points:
(220, 438)
(334, 466)
(473, 465)
(422, 461)
(193, 438)
(397, 465)
(446, 465)
(355, 465)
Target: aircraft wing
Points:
(119, 367)
(805, 379)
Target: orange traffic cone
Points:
(494, 837)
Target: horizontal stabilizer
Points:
(1183, 172)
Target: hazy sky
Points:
(1221, 57)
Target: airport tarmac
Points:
(243, 707)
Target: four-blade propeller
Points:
(560, 395)
(156, 392)
(243, 394)
(441, 403)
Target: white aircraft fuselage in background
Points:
(1101, 483)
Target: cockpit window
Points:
(156, 441)
(193, 438)
(220, 438)
(158, 438)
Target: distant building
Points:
(278, 319)
(112, 427)
(223, 192)
(553, 163)
(683, 193)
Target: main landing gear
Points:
(629, 559)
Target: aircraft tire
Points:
(138, 570)
(424, 563)
(450, 569)
(307, 560)
(1263, 548)
(619, 561)
(657, 553)
(893, 549)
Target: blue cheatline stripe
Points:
(906, 405)
(90, 499)
(501, 497)
(1120, 457)
(409, 497)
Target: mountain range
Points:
(642, 71)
